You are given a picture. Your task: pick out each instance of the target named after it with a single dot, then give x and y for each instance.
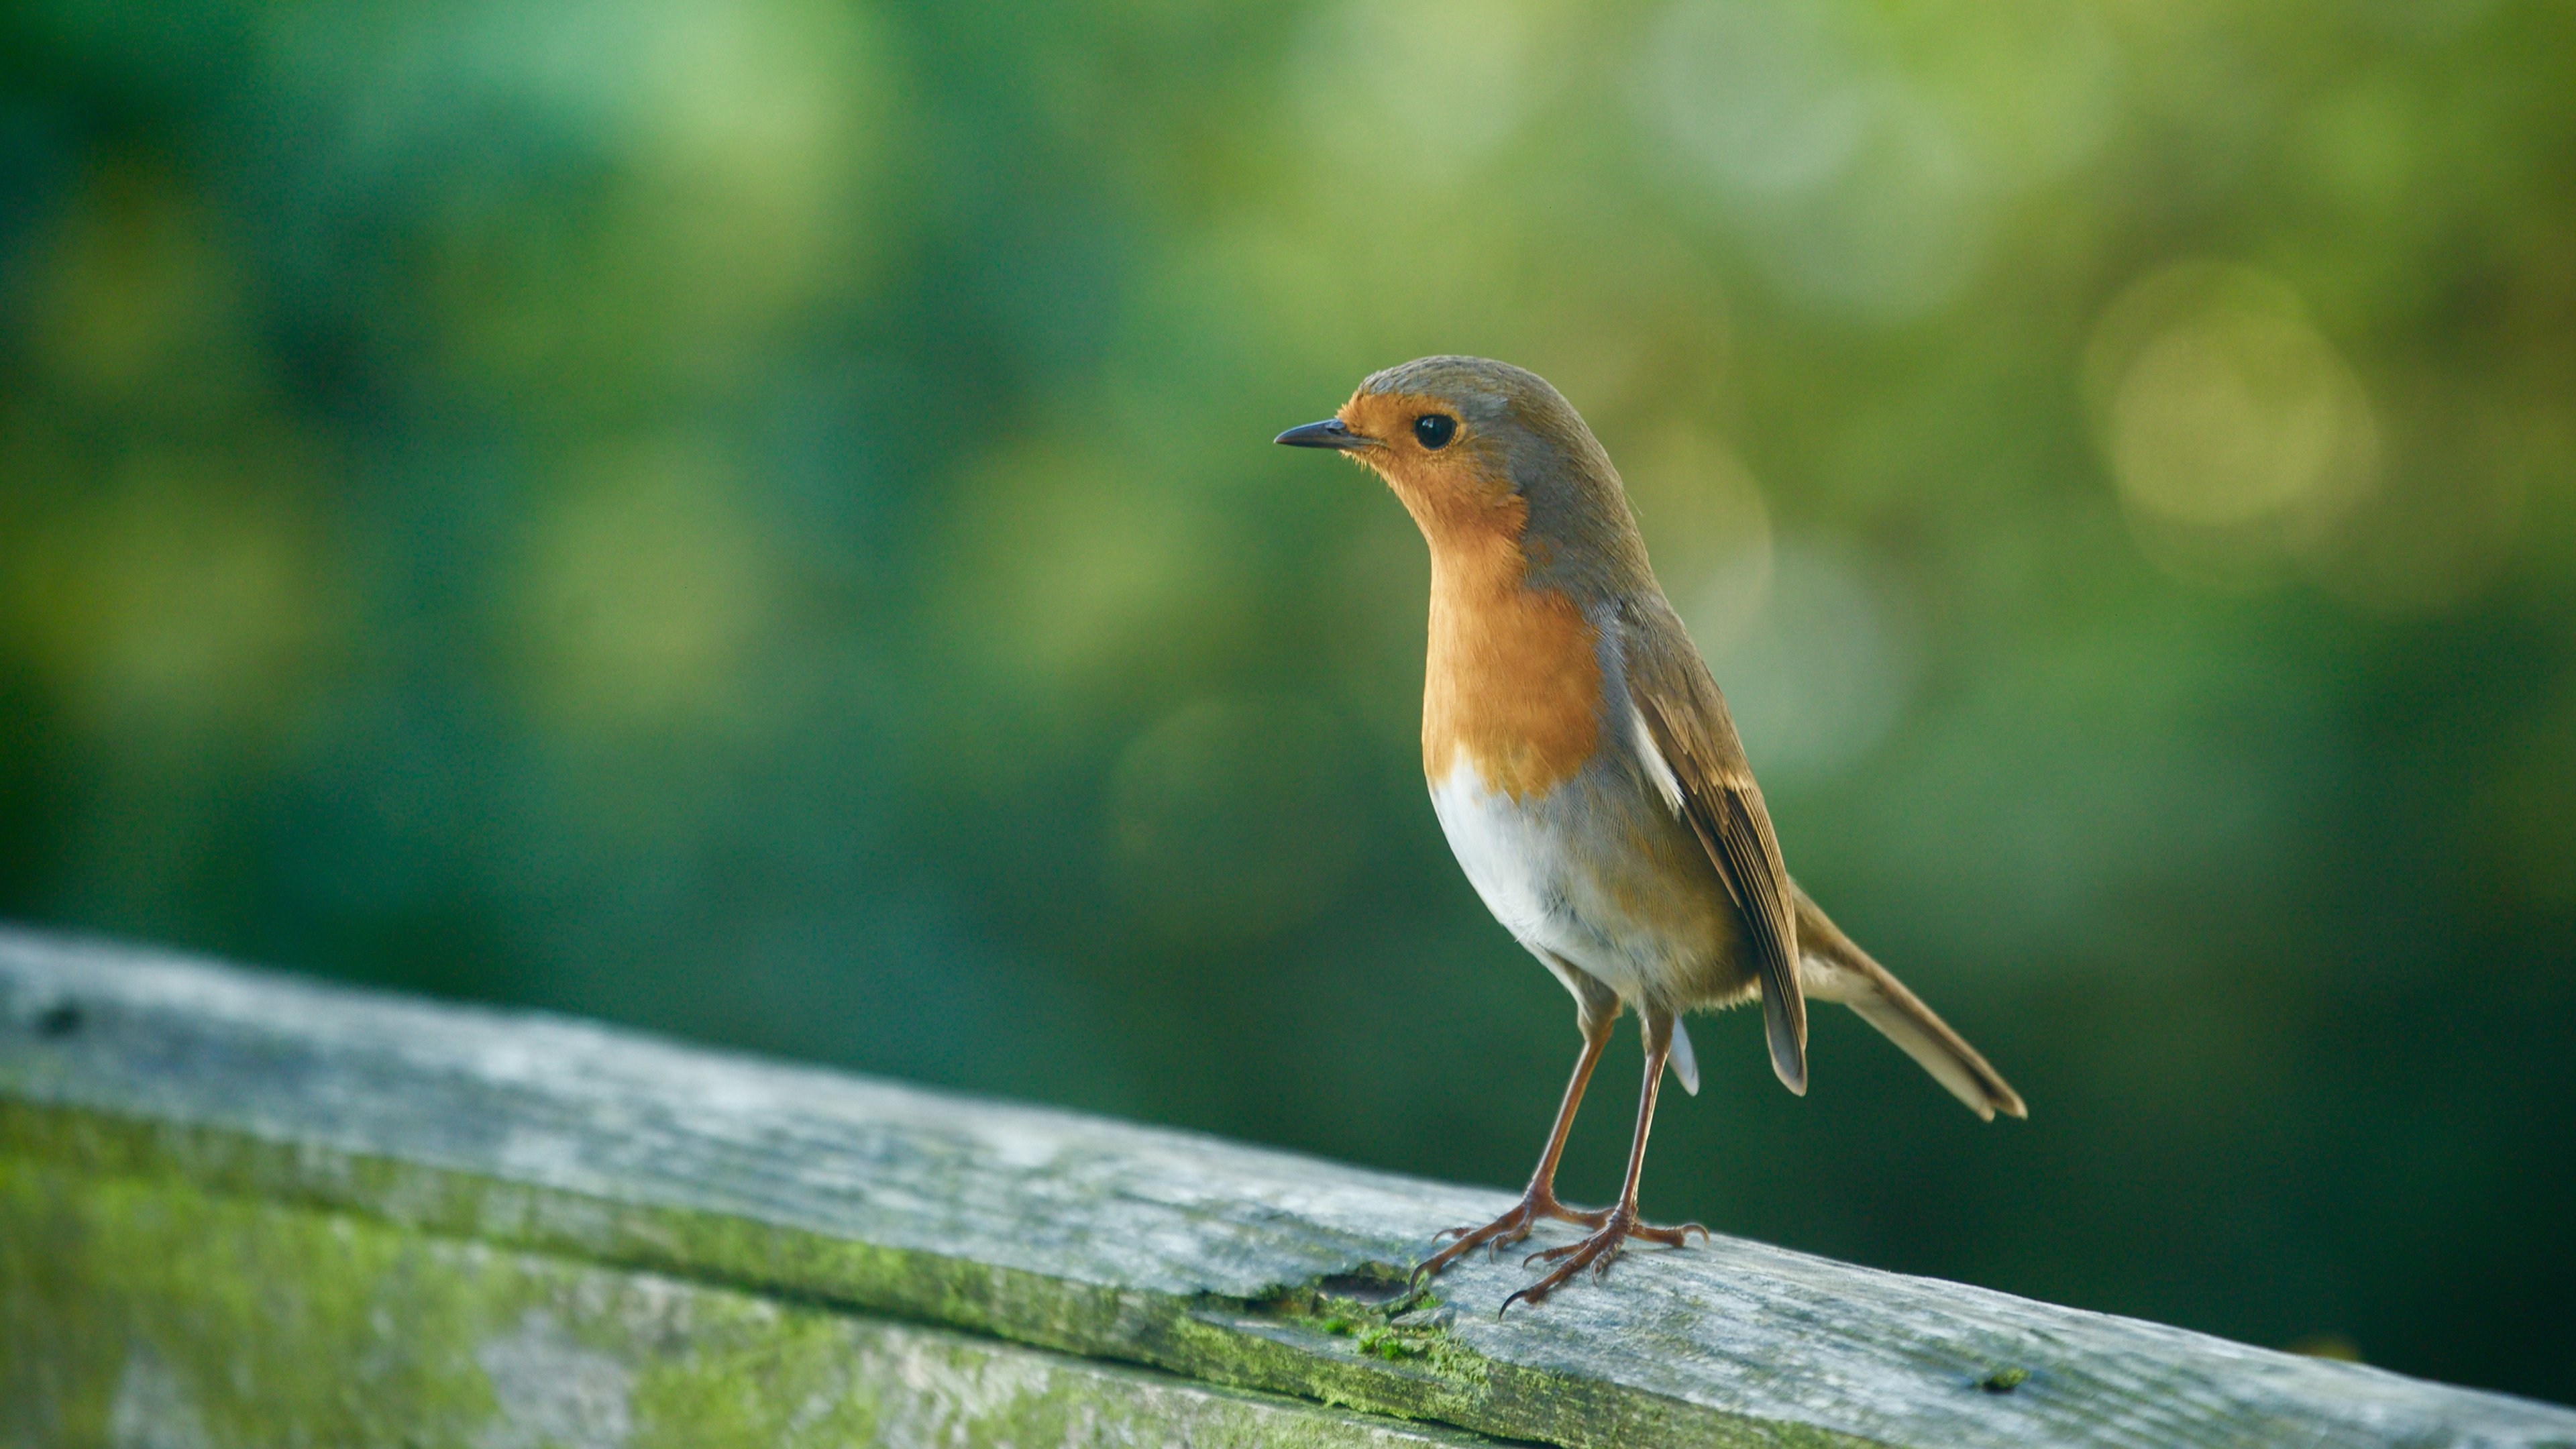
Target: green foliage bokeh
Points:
(756, 520)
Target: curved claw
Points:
(1669, 1237)
(1597, 1252)
(1493, 1234)
(1503, 1231)
(1427, 1269)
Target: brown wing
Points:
(1687, 723)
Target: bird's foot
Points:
(1598, 1251)
(1506, 1230)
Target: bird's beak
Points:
(1330, 433)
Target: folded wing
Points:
(1684, 719)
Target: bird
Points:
(1589, 779)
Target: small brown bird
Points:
(1586, 773)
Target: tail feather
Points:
(1832, 968)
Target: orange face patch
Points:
(1512, 685)
(1454, 489)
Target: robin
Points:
(1590, 782)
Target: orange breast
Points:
(1512, 685)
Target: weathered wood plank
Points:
(1092, 1238)
(146, 1312)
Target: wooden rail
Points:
(239, 1209)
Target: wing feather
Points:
(1686, 722)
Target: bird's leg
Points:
(1620, 1224)
(1539, 1199)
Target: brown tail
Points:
(1831, 968)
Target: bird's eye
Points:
(1434, 430)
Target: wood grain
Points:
(139, 1072)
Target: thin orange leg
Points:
(1620, 1224)
(1539, 1199)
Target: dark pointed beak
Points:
(1330, 433)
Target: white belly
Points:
(1545, 867)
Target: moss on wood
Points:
(143, 1100)
(1281, 1341)
(150, 1311)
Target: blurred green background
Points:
(757, 520)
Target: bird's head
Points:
(1481, 451)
